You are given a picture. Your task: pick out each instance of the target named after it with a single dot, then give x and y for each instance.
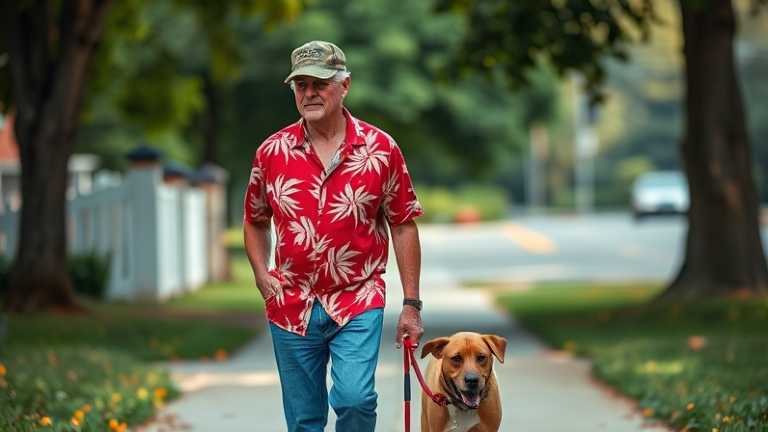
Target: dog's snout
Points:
(471, 379)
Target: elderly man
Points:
(332, 184)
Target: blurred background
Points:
(593, 174)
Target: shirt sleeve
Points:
(400, 204)
(255, 206)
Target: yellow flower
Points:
(79, 414)
(45, 421)
(74, 421)
(116, 397)
(3, 370)
(690, 406)
(142, 393)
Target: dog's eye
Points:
(456, 359)
(481, 359)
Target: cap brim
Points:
(313, 71)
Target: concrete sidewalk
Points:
(542, 391)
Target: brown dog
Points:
(462, 369)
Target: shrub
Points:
(90, 274)
(446, 205)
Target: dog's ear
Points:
(497, 344)
(435, 347)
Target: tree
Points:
(724, 253)
(50, 47)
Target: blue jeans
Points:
(302, 363)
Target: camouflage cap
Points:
(318, 59)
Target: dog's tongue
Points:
(471, 400)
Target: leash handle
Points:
(406, 387)
(409, 359)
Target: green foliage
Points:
(90, 274)
(697, 366)
(513, 37)
(445, 205)
(77, 388)
(149, 72)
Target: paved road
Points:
(537, 248)
(542, 390)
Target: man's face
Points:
(316, 98)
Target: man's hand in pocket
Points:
(268, 285)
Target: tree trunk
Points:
(724, 253)
(49, 57)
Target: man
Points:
(332, 184)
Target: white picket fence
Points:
(156, 235)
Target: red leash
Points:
(409, 359)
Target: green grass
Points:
(98, 367)
(239, 295)
(698, 366)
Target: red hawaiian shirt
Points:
(331, 227)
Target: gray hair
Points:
(339, 76)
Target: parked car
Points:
(659, 192)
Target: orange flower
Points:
(79, 414)
(3, 370)
(690, 406)
(45, 421)
(74, 421)
(160, 393)
(647, 412)
(113, 424)
(220, 355)
(697, 343)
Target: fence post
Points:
(142, 183)
(213, 180)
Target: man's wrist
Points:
(413, 302)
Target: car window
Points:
(662, 180)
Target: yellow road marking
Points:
(529, 240)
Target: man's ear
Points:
(435, 347)
(497, 344)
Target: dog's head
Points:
(467, 361)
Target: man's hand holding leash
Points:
(409, 325)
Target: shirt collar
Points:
(354, 133)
